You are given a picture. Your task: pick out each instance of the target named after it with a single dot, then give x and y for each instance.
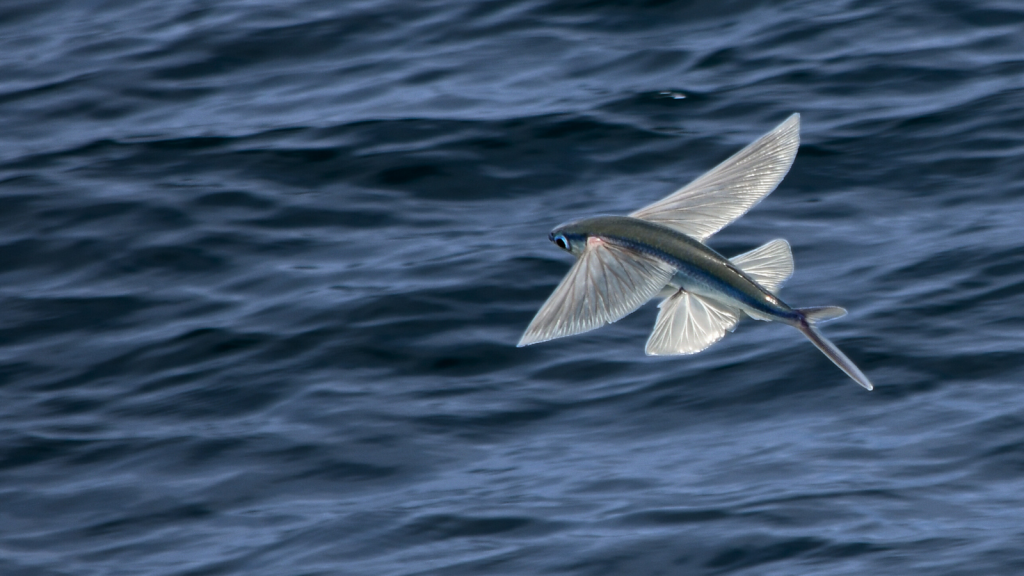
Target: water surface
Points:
(263, 266)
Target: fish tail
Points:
(810, 316)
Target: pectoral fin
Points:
(688, 324)
(728, 190)
(607, 283)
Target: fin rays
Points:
(769, 265)
(606, 283)
(688, 323)
(730, 189)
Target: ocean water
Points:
(263, 267)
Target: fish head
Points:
(571, 237)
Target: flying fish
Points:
(624, 261)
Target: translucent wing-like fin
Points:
(769, 265)
(730, 189)
(606, 283)
(688, 324)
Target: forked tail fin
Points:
(827, 347)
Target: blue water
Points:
(263, 267)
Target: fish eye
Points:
(561, 242)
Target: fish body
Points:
(699, 269)
(624, 261)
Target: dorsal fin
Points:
(769, 265)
